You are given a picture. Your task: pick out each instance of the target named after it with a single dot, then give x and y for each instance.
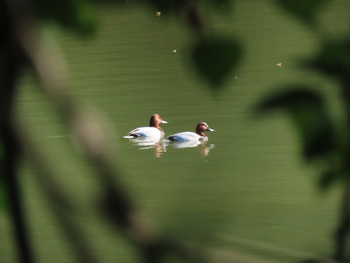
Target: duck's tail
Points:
(171, 138)
(128, 137)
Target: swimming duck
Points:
(200, 135)
(154, 132)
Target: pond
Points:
(246, 190)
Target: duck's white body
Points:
(198, 136)
(152, 133)
(149, 133)
(187, 137)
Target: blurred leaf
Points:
(169, 5)
(327, 179)
(179, 5)
(226, 4)
(304, 10)
(309, 114)
(79, 15)
(334, 59)
(215, 58)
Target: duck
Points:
(198, 136)
(154, 132)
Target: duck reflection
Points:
(145, 143)
(160, 147)
(203, 146)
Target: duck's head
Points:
(202, 127)
(156, 120)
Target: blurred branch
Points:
(88, 133)
(60, 203)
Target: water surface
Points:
(247, 190)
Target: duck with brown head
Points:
(199, 135)
(154, 132)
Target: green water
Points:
(251, 194)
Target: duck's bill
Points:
(164, 122)
(209, 129)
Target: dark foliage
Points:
(305, 10)
(215, 59)
(309, 114)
